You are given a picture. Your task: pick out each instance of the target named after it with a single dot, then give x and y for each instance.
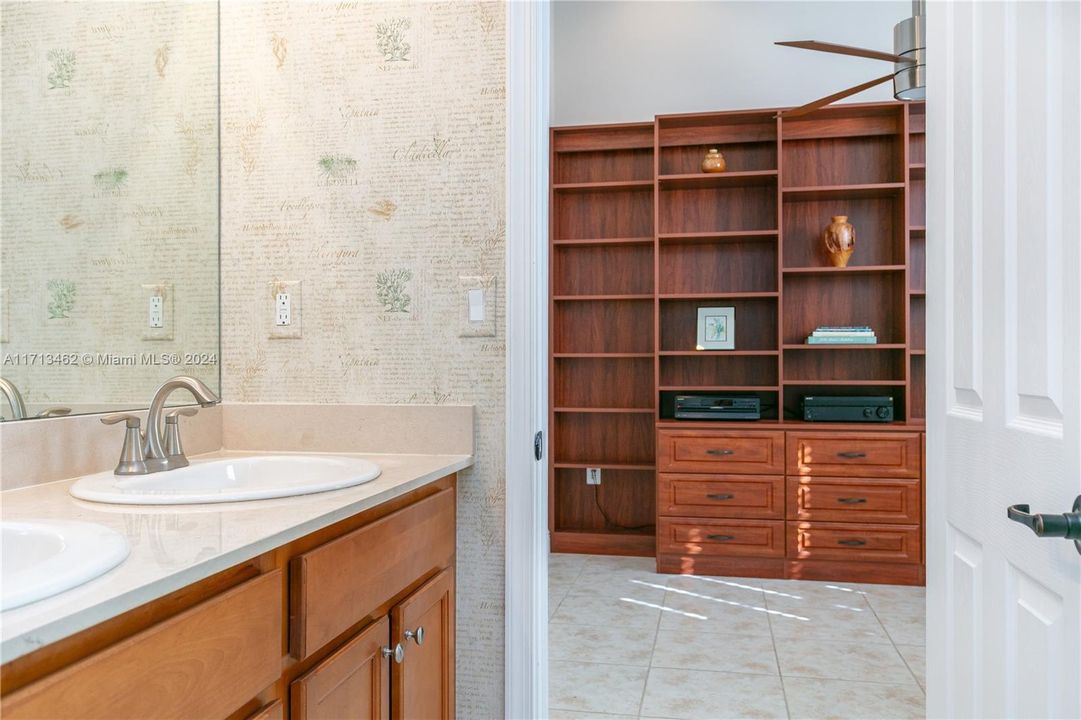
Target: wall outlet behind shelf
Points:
(593, 476)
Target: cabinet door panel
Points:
(353, 683)
(423, 685)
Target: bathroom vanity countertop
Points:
(173, 546)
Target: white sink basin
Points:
(229, 480)
(45, 557)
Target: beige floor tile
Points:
(815, 593)
(843, 700)
(743, 590)
(697, 694)
(916, 657)
(556, 714)
(712, 613)
(894, 594)
(905, 622)
(730, 653)
(565, 568)
(556, 592)
(618, 644)
(802, 618)
(842, 660)
(593, 609)
(595, 687)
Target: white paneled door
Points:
(1004, 358)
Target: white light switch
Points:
(478, 306)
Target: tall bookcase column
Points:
(917, 258)
(602, 339)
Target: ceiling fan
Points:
(909, 71)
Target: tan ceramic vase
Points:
(714, 162)
(840, 239)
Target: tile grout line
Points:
(894, 644)
(777, 657)
(652, 651)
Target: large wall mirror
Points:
(109, 269)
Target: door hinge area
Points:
(538, 445)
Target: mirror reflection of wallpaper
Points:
(363, 155)
(110, 183)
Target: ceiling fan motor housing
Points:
(909, 40)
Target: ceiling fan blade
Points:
(846, 50)
(821, 102)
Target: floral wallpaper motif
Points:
(365, 158)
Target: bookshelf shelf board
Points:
(606, 410)
(717, 296)
(851, 269)
(601, 355)
(918, 351)
(846, 346)
(918, 293)
(917, 230)
(718, 353)
(730, 236)
(608, 185)
(708, 180)
(605, 241)
(718, 388)
(602, 466)
(843, 192)
(594, 298)
(844, 383)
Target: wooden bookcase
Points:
(641, 239)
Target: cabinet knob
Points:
(416, 636)
(398, 653)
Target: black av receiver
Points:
(717, 407)
(847, 408)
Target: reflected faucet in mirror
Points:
(14, 398)
(145, 453)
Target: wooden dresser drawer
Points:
(733, 451)
(339, 584)
(842, 541)
(884, 500)
(721, 496)
(745, 538)
(205, 662)
(854, 454)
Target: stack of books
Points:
(843, 335)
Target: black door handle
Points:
(1066, 525)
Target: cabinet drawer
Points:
(749, 451)
(721, 496)
(854, 499)
(339, 584)
(841, 541)
(854, 454)
(745, 538)
(205, 662)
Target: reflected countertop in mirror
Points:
(109, 274)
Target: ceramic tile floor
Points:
(626, 642)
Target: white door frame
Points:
(526, 569)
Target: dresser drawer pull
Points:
(720, 496)
(852, 501)
(720, 451)
(852, 455)
(721, 538)
(852, 543)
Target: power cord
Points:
(610, 521)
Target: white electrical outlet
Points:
(593, 476)
(157, 304)
(284, 314)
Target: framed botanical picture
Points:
(716, 328)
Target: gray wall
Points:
(625, 61)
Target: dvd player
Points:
(717, 407)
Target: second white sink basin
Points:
(229, 480)
(45, 557)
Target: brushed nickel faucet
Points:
(145, 453)
(14, 398)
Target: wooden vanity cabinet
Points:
(307, 630)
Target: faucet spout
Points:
(156, 456)
(14, 398)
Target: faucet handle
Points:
(55, 411)
(132, 459)
(173, 416)
(133, 421)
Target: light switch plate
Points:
(166, 293)
(292, 288)
(477, 297)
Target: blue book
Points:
(843, 340)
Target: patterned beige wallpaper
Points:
(362, 155)
(110, 182)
